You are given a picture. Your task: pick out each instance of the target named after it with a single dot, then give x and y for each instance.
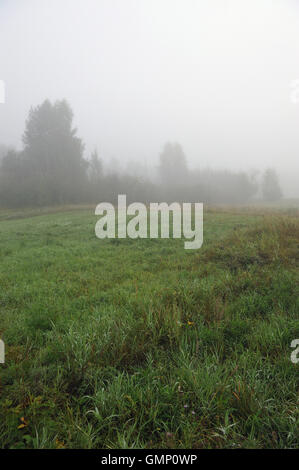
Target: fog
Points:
(217, 76)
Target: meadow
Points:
(142, 344)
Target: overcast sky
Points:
(214, 75)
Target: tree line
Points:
(51, 169)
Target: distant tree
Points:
(95, 167)
(173, 167)
(270, 186)
(3, 151)
(12, 180)
(96, 175)
(54, 154)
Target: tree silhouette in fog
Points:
(50, 169)
(270, 186)
(53, 153)
(173, 165)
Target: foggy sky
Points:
(214, 75)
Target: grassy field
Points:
(142, 344)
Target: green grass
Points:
(142, 344)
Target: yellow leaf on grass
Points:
(24, 423)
